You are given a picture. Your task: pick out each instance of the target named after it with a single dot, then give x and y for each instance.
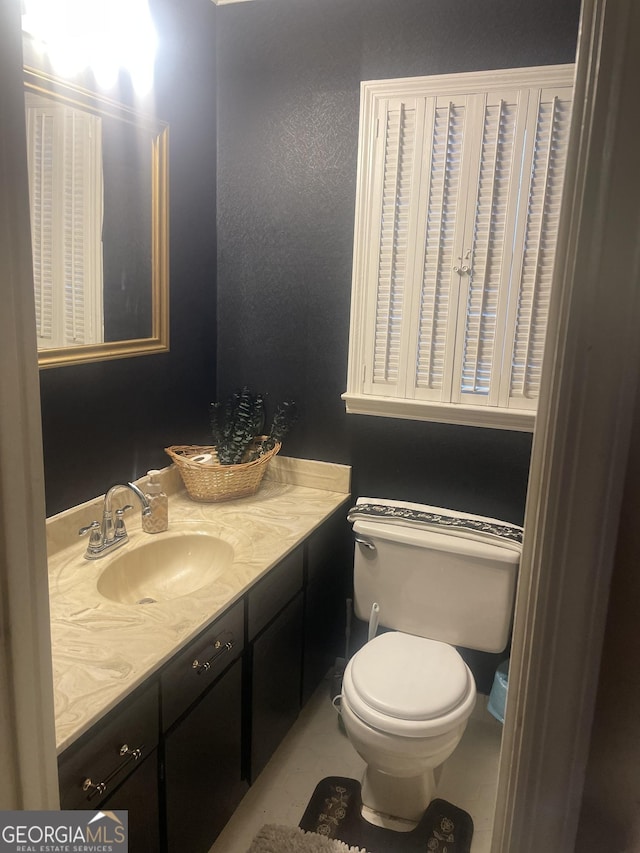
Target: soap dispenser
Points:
(158, 519)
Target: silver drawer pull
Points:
(221, 646)
(93, 788)
(365, 543)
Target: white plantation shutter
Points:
(537, 233)
(457, 214)
(65, 180)
(74, 213)
(398, 154)
(40, 157)
(444, 142)
(491, 214)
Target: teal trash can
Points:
(498, 695)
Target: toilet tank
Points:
(452, 581)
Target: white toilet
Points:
(439, 579)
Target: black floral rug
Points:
(334, 811)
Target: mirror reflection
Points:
(98, 194)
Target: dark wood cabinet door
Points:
(203, 755)
(329, 583)
(275, 683)
(139, 796)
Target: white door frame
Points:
(29, 779)
(591, 373)
(579, 454)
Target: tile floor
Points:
(316, 747)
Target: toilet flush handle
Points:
(365, 543)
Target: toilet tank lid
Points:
(388, 515)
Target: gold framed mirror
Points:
(98, 186)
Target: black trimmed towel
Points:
(417, 515)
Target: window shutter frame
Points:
(407, 397)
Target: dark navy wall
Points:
(288, 91)
(288, 95)
(109, 422)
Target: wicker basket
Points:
(211, 481)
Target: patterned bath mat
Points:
(334, 811)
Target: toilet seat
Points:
(410, 686)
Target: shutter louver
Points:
(540, 235)
(74, 229)
(41, 200)
(490, 251)
(440, 228)
(399, 154)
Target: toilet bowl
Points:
(405, 705)
(438, 579)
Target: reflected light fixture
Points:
(103, 35)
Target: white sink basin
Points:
(168, 567)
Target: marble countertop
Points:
(102, 650)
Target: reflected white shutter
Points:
(75, 216)
(65, 181)
(40, 138)
(536, 236)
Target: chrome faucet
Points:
(109, 535)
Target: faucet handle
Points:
(120, 529)
(95, 539)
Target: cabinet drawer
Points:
(195, 668)
(109, 752)
(271, 594)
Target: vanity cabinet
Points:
(275, 612)
(180, 751)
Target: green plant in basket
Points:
(238, 426)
